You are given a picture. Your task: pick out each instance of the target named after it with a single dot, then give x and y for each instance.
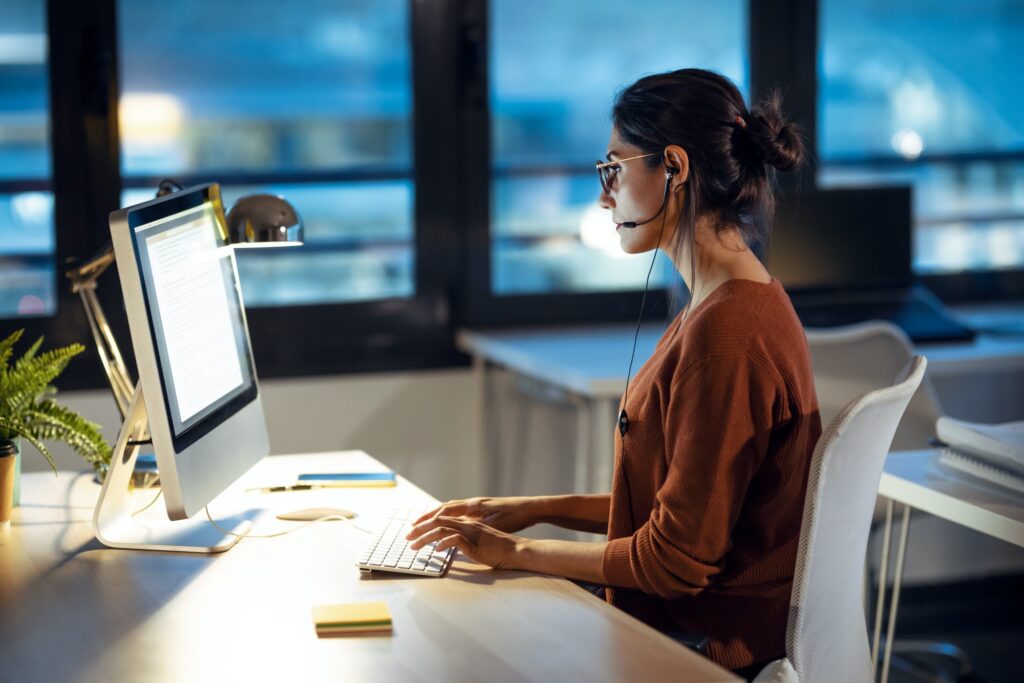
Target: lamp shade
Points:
(264, 220)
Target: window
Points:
(314, 105)
(476, 206)
(27, 240)
(927, 93)
(554, 70)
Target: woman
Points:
(718, 427)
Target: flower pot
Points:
(6, 446)
(7, 459)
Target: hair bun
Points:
(777, 142)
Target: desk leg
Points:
(582, 464)
(901, 550)
(603, 442)
(491, 464)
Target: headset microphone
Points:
(664, 201)
(623, 419)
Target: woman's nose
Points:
(605, 201)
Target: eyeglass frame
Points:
(605, 168)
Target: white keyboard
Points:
(388, 551)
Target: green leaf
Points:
(27, 408)
(7, 347)
(33, 350)
(23, 432)
(6, 350)
(52, 421)
(31, 377)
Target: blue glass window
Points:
(314, 104)
(27, 241)
(928, 93)
(555, 68)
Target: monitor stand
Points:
(112, 520)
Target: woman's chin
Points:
(629, 246)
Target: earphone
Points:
(670, 172)
(623, 418)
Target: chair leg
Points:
(883, 579)
(890, 631)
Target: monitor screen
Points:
(196, 317)
(842, 239)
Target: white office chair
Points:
(850, 361)
(826, 636)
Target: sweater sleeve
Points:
(717, 427)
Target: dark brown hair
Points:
(733, 152)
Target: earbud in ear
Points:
(669, 172)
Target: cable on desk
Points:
(148, 505)
(247, 534)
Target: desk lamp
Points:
(257, 220)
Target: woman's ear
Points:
(677, 160)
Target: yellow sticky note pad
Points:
(352, 618)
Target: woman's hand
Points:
(476, 540)
(502, 514)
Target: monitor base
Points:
(113, 522)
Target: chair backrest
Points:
(826, 637)
(850, 361)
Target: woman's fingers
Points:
(452, 507)
(431, 536)
(433, 523)
(457, 541)
(427, 515)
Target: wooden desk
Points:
(915, 479)
(73, 610)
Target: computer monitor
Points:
(843, 239)
(197, 383)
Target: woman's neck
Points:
(719, 256)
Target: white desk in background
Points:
(73, 610)
(588, 365)
(915, 479)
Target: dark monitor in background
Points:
(845, 257)
(843, 239)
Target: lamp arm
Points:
(83, 282)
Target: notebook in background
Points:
(1003, 444)
(993, 452)
(845, 257)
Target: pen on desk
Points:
(292, 487)
(324, 485)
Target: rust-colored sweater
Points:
(709, 482)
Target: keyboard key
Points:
(389, 551)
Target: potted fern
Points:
(28, 411)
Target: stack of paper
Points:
(359, 618)
(991, 452)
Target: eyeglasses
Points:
(606, 170)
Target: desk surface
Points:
(591, 361)
(917, 479)
(73, 610)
